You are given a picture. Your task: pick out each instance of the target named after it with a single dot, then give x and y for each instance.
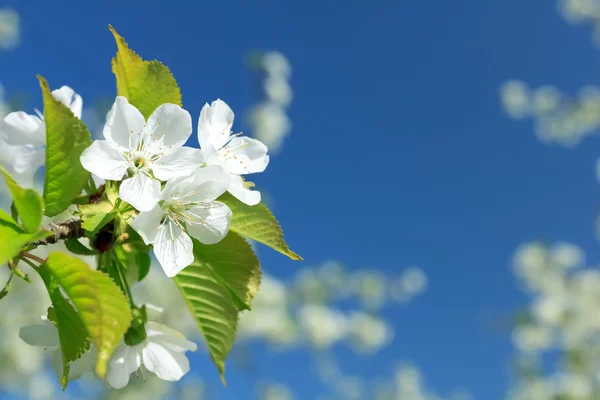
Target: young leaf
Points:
(96, 216)
(101, 304)
(221, 282)
(66, 138)
(72, 335)
(76, 247)
(28, 203)
(257, 223)
(13, 237)
(146, 84)
(6, 288)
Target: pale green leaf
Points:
(221, 281)
(101, 304)
(146, 84)
(73, 337)
(96, 216)
(257, 223)
(28, 203)
(66, 138)
(13, 237)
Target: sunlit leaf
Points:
(27, 202)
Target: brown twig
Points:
(33, 257)
(70, 229)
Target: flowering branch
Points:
(63, 230)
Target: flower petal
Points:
(141, 191)
(182, 161)
(105, 159)
(83, 364)
(214, 124)
(22, 162)
(167, 364)
(146, 224)
(170, 125)
(122, 121)
(69, 98)
(209, 183)
(173, 248)
(40, 335)
(242, 193)
(168, 337)
(244, 155)
(125, 361)
(20, 128)
(215, 221)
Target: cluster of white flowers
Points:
(582, 11)
(561, 320)
(558, 118)
(269, 119)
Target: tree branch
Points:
(70, 229)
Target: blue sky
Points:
(399, 155)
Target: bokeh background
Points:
(434, 164)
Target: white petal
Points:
(22, 128)
(182, 161)
(122, 121)
(209, 183)
(141, 191)
(40, 335)
(242, 193)
(69, 98)
(57, 364)
(105, 159)
(83, 364)
(168, 365)
(173, 249)
(170, 123)
(22, 162)
(125, 361)
(244, 155)
(146, 223)
(214, 124)
(215, 223)
(168, 337)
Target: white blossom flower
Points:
(23, 138)
(238, 155)
(46, 335)
(187, 207)
(162, 353)
(141, 153)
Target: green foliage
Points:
(135, 259)
(220, 283)
(72, 334)
(257, 223)
(27, 202)
(101, 304)
(96, 216)
(66, 138)
(76, 247)
(13, 237)
(146, 84)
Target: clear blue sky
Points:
(400, 153)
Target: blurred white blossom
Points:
(10, 33)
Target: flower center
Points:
(140, 161)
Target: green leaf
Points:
(28, 203)
(66, 138)
(76, 247)
(96, 216)
(13, 237)
(72, 334)
(6, 288)
(101, 304)
(135, 259)
(146, 84)
(257, 223)
(221, 282)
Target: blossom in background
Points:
(162, 353)
(238, 155)
(142, 154)
(46, 335)
(187, 207)
(23, 138)
(9, 29)
(269, 119)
